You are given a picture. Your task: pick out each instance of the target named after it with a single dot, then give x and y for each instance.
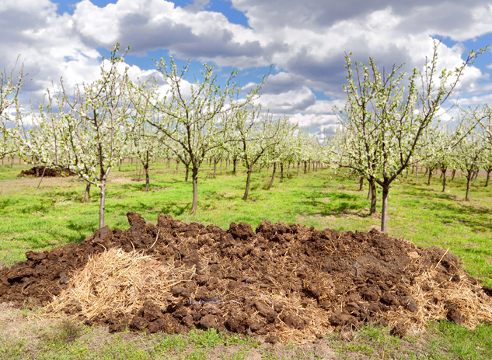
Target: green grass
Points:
(54, 215)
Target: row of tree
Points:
(90, 131)
(389, 124)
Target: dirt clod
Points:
(281, 282)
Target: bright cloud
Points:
(306, 41)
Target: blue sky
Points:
(305, 41)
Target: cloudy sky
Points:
(305, 40)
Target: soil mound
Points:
(37, 171)
(283, 282)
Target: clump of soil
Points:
(38, 171)
(281, 282)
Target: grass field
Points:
(54, 214)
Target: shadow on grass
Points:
(453, 211)
(174, 209)
(80, 229)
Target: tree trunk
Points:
(443, 180)
(281, 172)
(430, 176)
(119, 167)
(248, 180)
(488, 177)
(305, 167)
(273, 175)
(453, 174)
(177, 166)
(11, 162)
(102, 203)
(373, 195)
(309, 166)
(87, 194)
(234, 161)
(384, 213)
(406, 176)
(361, 183)
(288, 170)
(195, 190)
(147, 179)
(42, 176)
(186, 173)
(215, 167)
(298, 164)
(416, 173)
(468, 183)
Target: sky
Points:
(306, 42)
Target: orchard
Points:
(211, 155)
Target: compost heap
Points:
(38, 171)
(289, 283)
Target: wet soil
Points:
(37, 171)
(237, 274)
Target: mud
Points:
(37, 171)
(247, 281)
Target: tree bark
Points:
(248, 180)
(42, 176)
(443, 179)
(215, 167)
(102, 203)
(195, 190)
(87, 194)
(273, 175)
(147, 179)
(373, 195)
(281, 172)
(469, 176)
(305, 167)
(453, 174)
(416, 173)
(186, 173)
(298, 164)
(488, 177)
(384, 213)
(288, 170)
(430, 176)
(361, 183)
(177, 166)
(234, 161)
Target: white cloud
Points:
(306, 40)
(313, 121)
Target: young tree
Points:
(88, 132)
(471, 150)
(197, 124)
(10, 88)
(257, 133)
(388, 121)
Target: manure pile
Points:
(289, 283)
(37, 171)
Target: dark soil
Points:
(37, 171)
(353, 277)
